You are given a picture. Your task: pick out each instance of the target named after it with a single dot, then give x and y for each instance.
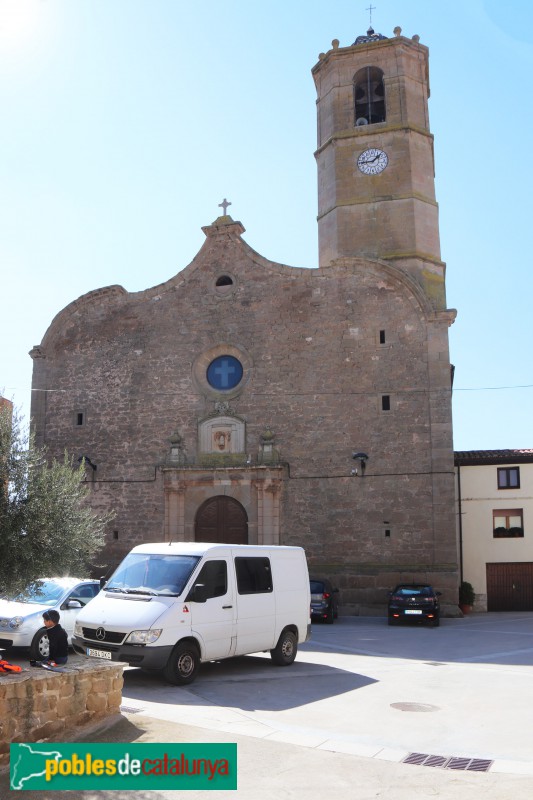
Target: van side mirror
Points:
(103, 582)
(198, 594)
(74, 604)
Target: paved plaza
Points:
(360, 699)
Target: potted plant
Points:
(466, 597)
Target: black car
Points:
(415, 602)
(324, 600)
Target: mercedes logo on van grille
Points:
(100, 634)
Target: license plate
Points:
(99, 653)
(413, 611)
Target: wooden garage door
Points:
(510, 587)
(221, 519)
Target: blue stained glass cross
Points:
(224, 372)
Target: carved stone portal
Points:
(238, 505)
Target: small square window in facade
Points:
(508, 477)
(508, 523)
(382, 337)
(385, 402)
(80, 418)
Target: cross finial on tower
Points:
(371, 8)
(224, 205)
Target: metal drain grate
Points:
(416, 758)
(458, 763)
(479, 765)
(435, 761)
(449, 762)
(131, 710)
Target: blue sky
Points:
(126, 122)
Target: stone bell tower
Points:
(376, 193)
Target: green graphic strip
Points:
(55, 766)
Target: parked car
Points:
(324, 600)
(415, 602)
(21, 617)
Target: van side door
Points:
(213, 618)
(256, 604)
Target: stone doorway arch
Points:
(221, 519)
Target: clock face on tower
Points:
(372, 161)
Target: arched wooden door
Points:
(221, 519)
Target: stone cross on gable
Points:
(224, 205)
(371, 8)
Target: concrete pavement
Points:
(359, 687)
(360, 698)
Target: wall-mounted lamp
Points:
(88, 462)
(362, 458)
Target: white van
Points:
(171, 606)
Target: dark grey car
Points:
(414, 602)
(324, 600)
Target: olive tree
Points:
(47, 528)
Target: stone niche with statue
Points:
(222, 438)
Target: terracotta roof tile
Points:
(473, 457)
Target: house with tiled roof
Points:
(494, 505)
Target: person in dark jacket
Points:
(57, 637)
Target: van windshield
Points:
(143, 573)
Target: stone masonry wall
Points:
(321, 349)
(40, 706)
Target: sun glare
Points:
(18, 22)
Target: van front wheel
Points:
(183, 665)
(285, 651)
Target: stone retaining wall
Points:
(39, 706)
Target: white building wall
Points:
(479, 497)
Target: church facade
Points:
(247, 401)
